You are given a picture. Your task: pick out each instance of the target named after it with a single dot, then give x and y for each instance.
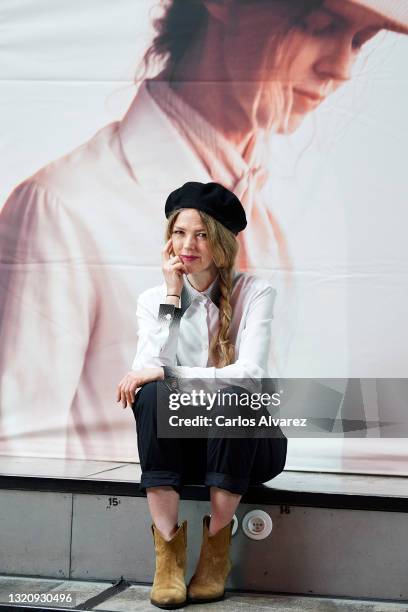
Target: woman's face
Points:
(317, 56)
(189, 238)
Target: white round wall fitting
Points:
(235, 525)
(257, 524)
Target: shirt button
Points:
(167, 316)
(174, 384)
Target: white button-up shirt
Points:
(179, 338)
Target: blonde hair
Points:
(224, 249)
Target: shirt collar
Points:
(180, 141)
(167, 161)
(222, 159)
(189, 293)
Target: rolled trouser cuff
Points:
(158, 478)
(234, 484)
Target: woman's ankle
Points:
(215, 526)
(167, 532)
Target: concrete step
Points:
(333, 535)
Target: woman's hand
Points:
(134, 379)
(173, 269)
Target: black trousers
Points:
(233, 464)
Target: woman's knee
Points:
(146, 396)
(148, 389)
(152, 385)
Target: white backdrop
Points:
(66, 69)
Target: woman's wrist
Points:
(172, 290)
(173, 296)
(172, 299)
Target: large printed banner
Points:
(106, 107)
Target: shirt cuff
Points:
(169, 313)
(171, 379)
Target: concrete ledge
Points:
(283, 490)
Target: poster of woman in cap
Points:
(297, 107)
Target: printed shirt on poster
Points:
(80, 241)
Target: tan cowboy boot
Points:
(169, 588)
(214, 565)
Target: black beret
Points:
(212, 198)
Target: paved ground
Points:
(126, 597)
